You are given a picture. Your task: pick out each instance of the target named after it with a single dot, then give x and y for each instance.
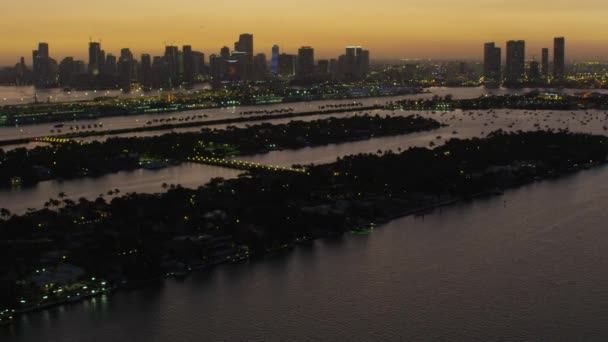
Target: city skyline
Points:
(435, 29)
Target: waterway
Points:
(505, 268)
(135, 121)
(459, 125)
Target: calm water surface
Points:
(459, 124)
(501, 269)
(132, 121)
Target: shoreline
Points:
(308, 240)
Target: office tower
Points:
(515, 66)
(245, 44)
(188, 63)
(94, 54)
(217, 67)
(45, 68)
(305, 62)
(126, 55)
(172, 59)
(491, 63)
(533, 72)
(349, 63)
(146, 70)
(259, 66)
(66, 72)
(110, 65)
(287, 64)
(225, 52)
(333, 67)
(274, 63)
(126, 68)
(323, 67)
(362, 63)
(198, 64)
(545, 64)
(102, 60)
(559, 64)
(22, 73)
(43, 50)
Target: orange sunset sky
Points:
(389, 28)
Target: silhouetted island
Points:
(85, 248)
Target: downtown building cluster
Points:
(185, 67)
(516, 71)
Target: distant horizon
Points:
(390, 29)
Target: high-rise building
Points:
(45, 68)
(217, 67)
(198, 64)
(259, 66)
(323, 67)
(225, 52)
(274, 63)
(349, 64)
(43, 50)
(94, 54)
(66, 72)
(491, 63)
(188, 63)
(102, 60)
(126, 55)
(146, 70)
(533, 72)
(245, 44)
(362, 63)
(172, 59)
(287, 64)
(559, 54)
(305, 62)
(110, 66)
(544, 67)
(515, 65)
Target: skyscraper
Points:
(544, 66)
(146, 70)
(198, 64)
(287, 64)
(94, 54)
(515, 66)
(43, 50)
(559, 52)
(259, 66)
(491, 63)
(349, 65)
(45, 68)
(323, 67)
(305, 62)
(172, 60)
(533, 72)
(274, 63)
(110, 65)
(362, 63)
(188, 62)
(245, 44)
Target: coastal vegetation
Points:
(83, 248)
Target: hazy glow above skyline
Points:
(389, 28)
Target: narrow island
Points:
(89, 248)
(67, 159)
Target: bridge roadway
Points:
(242, 165)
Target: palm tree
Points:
(5, 212)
